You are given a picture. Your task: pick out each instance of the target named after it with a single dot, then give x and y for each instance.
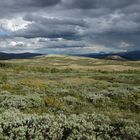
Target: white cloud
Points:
(125, 45)
(14, 24)
(16, 44)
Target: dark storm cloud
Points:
(36, 30)
(94, 4)
(10, 8)
(28, 3)
(52, 28)
(109, 23)
(41, 3)
(55, 21)
(64, 46)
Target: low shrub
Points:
(14, 125)
(21, 101)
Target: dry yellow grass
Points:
(101, 67)
(78, 81)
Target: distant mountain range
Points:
(132, 55)
(5, 56)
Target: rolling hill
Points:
(131, 55)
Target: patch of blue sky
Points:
(4, 34)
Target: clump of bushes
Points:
(15, 125)
(4, 65)
(119, 92)
(3, 78)
(20, 101)
(98, 99)
(52, 101)
(70, 100)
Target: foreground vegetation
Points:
(69, 98)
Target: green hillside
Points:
(59, 97)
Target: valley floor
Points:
(61, 97)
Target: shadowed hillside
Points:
(5, 56)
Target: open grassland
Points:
(69, 98)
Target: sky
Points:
(69, 26)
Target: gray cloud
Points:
(55, 21)
(10, 8)
(63, 24)
(28, 3)
(94, 4)
(52, 28)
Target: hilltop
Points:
(115, 57)
(130, 55)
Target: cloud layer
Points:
(69, 26)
